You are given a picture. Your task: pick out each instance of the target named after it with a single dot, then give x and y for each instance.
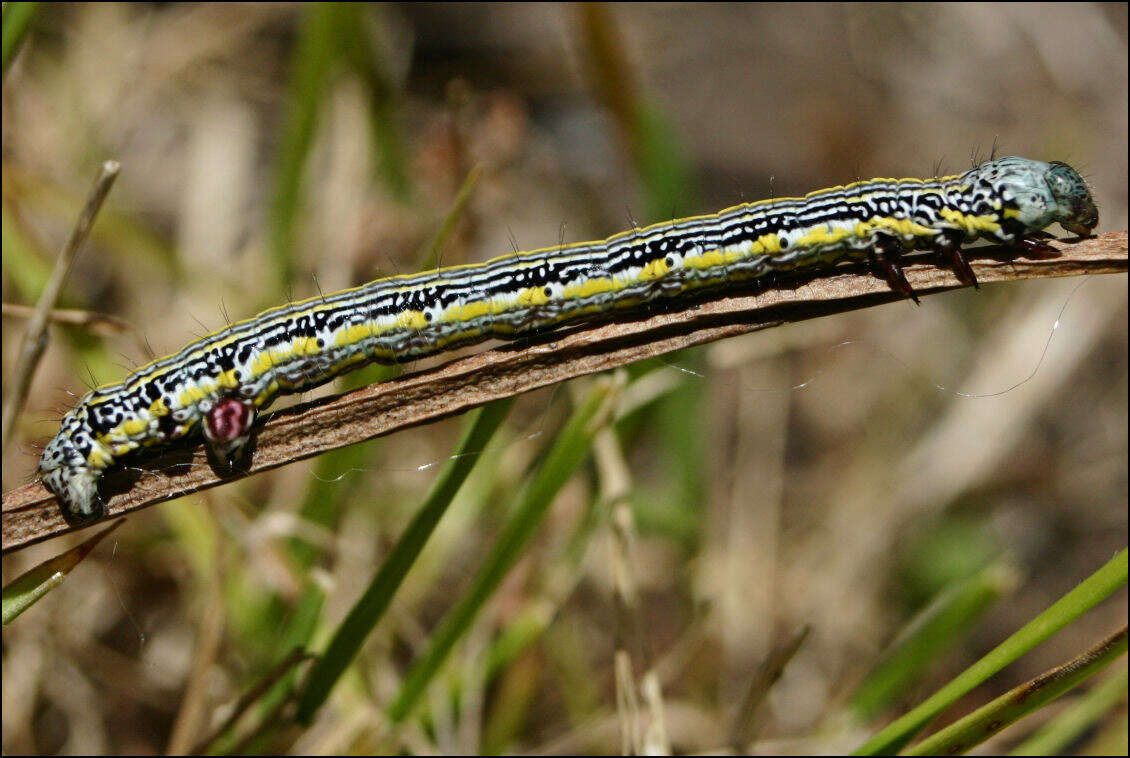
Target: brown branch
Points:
(100, 324)
(30, 513)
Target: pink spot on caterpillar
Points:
(227, 428)
(228, 420)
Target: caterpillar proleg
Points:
(217, 384)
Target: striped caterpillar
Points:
(220, 382)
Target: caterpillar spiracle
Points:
(219, 383)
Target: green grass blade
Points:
(1093, 590)
(517, 636)
(328, 496)
(668, 186)
(370, 608)
(1112, 738)
(568, 451)
(361, 52)
(660, 162)
(515, 694)
(310, 69)
(1058, 733)
(431, 252)
(26, 269)
(933, 630)
(986, 721)
(335, 480)
(665, 172)
(120, 234)
(25, 590)
(331, 487)
(25, 266)
(224, 740)
(17, 19)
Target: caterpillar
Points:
(219, 383)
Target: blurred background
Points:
(832, 473)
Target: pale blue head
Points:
(1043, 193)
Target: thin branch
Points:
(296, 657)
(746, 726)
(30, 513)
(35, 336)
(100, 324)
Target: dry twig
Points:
(35, 337)
(30, 513)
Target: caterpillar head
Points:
(1039, 194)
(1077, 211)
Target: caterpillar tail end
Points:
(76, 489)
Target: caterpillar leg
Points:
(884, 254)
(1032, 245)
(227, 429)
(948, 245)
